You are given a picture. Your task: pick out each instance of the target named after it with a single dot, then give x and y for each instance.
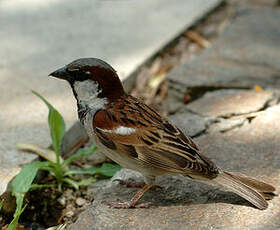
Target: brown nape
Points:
(110, 84)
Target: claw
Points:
(123, 205)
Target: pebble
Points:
(62, 200)
(69, 214)
(80, 201)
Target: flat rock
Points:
(36, 37)
(224, 125)
(251, 143)
(245, 54)
(252, 149)
(230, 102)
(189, 123)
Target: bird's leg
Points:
(133, 202)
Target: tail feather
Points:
(252, 182)
(249, 188)
(268, 195)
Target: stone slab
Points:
(190, 123)
(244, 55)
(230, 102)
(36, 37)
(252, 149)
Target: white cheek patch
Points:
(86, 90)
(87, 94)
(122, 130)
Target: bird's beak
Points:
(61, 74)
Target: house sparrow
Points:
(136, 137)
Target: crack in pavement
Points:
(240, 118)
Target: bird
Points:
(136, 137)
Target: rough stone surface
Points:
(224, 125)
(36, 37)
(230, 102)
(189, 123)
(246, 54)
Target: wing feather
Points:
(155, 142)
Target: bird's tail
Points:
(254, 191)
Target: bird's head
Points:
(91, 80)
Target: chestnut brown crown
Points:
(96, 70)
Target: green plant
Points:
(14, 222)
(21, 185)
(57, 167)
(57, 130)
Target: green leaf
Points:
(71, 183)
(40, 186)
(86, 182)
(14, 222)
(22, 182)
(19, 202)
(83, 152)
(57, 127)
(77, 184)
(89, 171)
(1, 204)
(55, 170)
(106, 169)
(56, 124)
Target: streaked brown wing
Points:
(156, 142)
